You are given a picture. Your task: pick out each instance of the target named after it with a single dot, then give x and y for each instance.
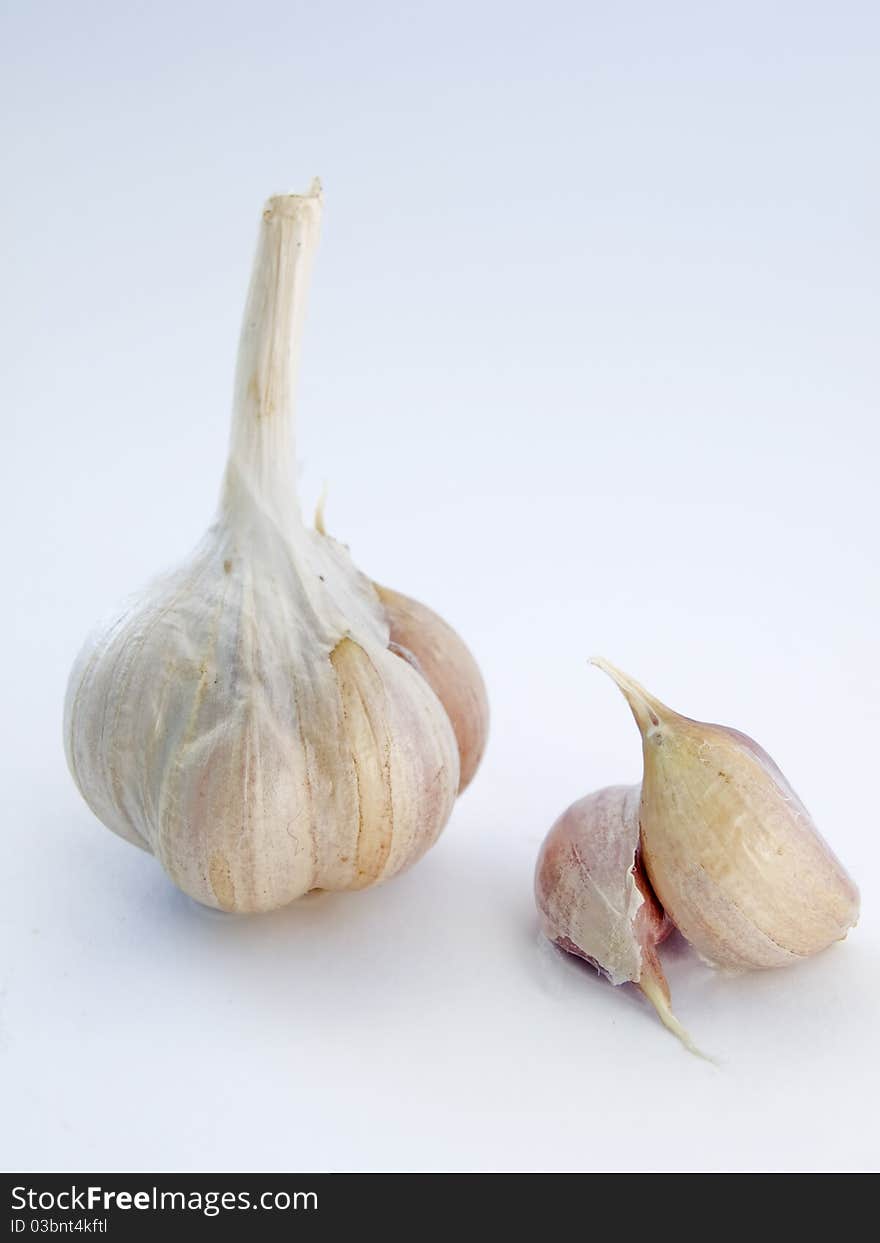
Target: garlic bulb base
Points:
(209, 912)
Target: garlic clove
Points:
(446, 664)
(399, 746)
(729, 848)
(596, 901)
(244, 718)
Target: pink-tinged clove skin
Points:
(596, 901)
(419, 636)
(652, 924)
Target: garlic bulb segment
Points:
(729, 848)
(595, 900)
(442, 658)
(247, 718)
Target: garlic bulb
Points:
(263, 719)
(595, 900)
(729, 848)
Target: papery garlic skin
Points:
(243, 718)
(596, 901)
(730, 850)
(585, 885)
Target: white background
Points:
(590, 366)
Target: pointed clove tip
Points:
(645, 708)
(624, 682)
(613, 672)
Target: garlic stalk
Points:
(596, 901)
(263, 719)
(729, 848)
